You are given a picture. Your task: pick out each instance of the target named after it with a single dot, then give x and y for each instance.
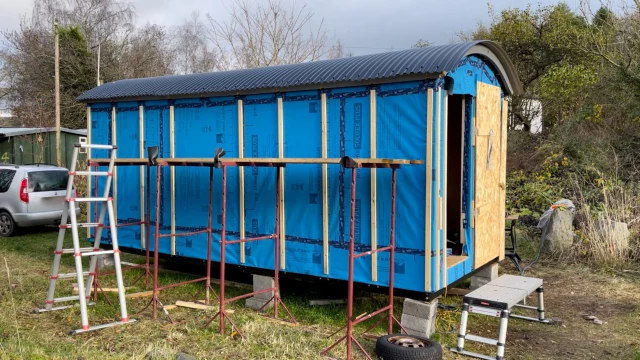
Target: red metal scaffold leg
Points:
(349, 338)
(155, 300)
(222, 315)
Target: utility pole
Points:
(57, 51)
(98, 71)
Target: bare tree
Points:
(265, 35)
(614, 37)
(192, 49)
(338, 51)
(27, 55)
(147, 53)
(98, 20)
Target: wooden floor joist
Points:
(140, 294)
(114, 290)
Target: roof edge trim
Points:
(500, 60)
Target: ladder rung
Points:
(97, 199)
(61, 307)
(73, 251)
(66, 298)
(81, 225)
(93, 253)
(89, 173)
(481, 339)
(71, 275)
(94, 146)
(526, 306)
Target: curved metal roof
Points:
(364, 69)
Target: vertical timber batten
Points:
(429, 181)
(445, 268)
(282, 179)
(503, 164)
(172, 151)
(325, 187)
(438, 199)
(88, 177)
(374, 235)
(143, 228)
(241, 176)
(114, 187)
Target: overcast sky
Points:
(364, 26)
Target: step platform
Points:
(496, 299)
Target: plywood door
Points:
(489, 186)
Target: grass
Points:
(23, 334)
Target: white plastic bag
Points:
(563, 204)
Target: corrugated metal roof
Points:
(367, 68)
(8, 132)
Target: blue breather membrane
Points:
(202, 125)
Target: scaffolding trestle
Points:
(222, 315)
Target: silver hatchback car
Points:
(31, 195)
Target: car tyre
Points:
(407, 347)
(7, 225)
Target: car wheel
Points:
(407, 347)
(7, 226)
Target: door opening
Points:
(455, 142)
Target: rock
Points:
(559, 230)
(615, 233)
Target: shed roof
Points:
(365, 69)
(8, 132)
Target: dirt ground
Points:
(570, 292)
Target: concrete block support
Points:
(419, 317)
(260, 283)
(484, 276)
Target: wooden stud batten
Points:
(88, 177)
(503, 165)
(172, 171)
(429, 196)
(241, 176)
(438, 199)
(444, 190)
(472, 132)
(325, 187)
(114, 186)
(282, 179)
(143, 228)
(374, 216)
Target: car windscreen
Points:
(50, 180)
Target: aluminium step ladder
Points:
(496, 299)
(69, 212)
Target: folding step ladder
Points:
(496, 299)
(69, 210)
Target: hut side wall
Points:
(201, 125)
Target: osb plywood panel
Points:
(489, 218)
(503, 167)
